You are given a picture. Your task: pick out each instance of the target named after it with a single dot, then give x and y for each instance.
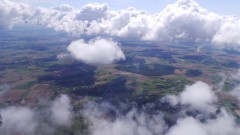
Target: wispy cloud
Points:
(32, 121)
(107, 119)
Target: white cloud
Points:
(92, 12)
(183, 20)
(171, 99)
(61, 111)
(228, 33)
(35, 121)
(187, 126)
(106, 119)
(12, 13)
(18, 120)
(223, 124)
(103, 118)
(199, 96)
(97, 51)
(140, 123)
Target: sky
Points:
(224, 7)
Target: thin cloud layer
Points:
(3, 89)
(61, 111)
(96, 51)
(236, 92)
(18, 120)
(187, 126)
(106, 119)
(183, 20)
(30, 121)
(224, 124)
(64, 8)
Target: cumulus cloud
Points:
(228, 33)
(93, 11)
(104, 119)
(12, 13)
(171, 99)
(96, 51)
(224, 124)
(32, 121)
(182, 20)
(187, 126)
(199, 96)
(185, 20)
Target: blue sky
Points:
(225, 7)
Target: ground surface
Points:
(32, 73)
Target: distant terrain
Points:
(31, 71)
